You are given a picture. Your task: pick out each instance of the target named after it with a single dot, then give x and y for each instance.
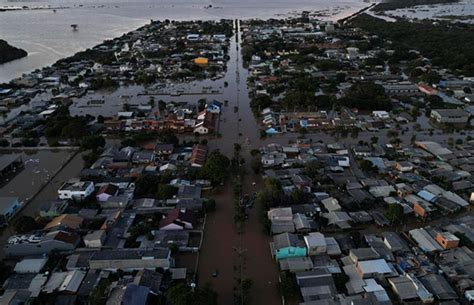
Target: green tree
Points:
(210, 205)
(169, 137)
(340, 280)
(25, 224)
(367, 166)
(366, 96)
(93, 142)
(287, 285)
(181, 294)
(165, 191)
(394, 213)
(4, 143)
(161, 105)
(216, 168)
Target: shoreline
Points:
(334, 13)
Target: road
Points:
(221, 238)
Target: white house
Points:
(77, 190)
(315, 243)
(381, 114)
(178, 219)
(201, 129)
(449, 116)
(95, 239)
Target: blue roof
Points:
(271, 131)
(426, 195)
(213, 106)
(135, 295)
(217, 103)
(377, 162)
(304, 123)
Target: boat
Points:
(74, 27)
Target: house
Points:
(189, 192)
(199, 155)
(447, 240)
(371, 268)
(168, 167)
(150, 279)
(143, 157)
(281, 220)
(382, 115)
(128, 259)
(72, 281)
(214, 107)
(15, 296)
(178, 219)
(404, 288)
(304, 224)
(163, 150)
(64, 221)
(273, 159)
(404, 166)
(339, 218)
(106, 191)
(394, 242)
(316, 285)
(424, 240)
(193, 37)
(30, 265)
(8, 206)
(201, 128)
(76, 190)
(296, 264)
(167, 238)
(202, 61)
(439, 287)
(129, 294)
(401, 89)
(95, 239)
(449, 116)
(55, 208)
(331, 204)
(362, 254)
(287, 245)
(315, 243)
(116, 202)
(41, 243)
(382, 191)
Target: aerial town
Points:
(279, 161)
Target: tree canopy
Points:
(216, 168)
(366, 96)
(182, 294)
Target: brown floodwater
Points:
(221, 240)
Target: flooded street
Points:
(39, 166)
(31, 180)
(218, 251)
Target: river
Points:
(47, 36)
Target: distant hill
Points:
(9, 53)
(388, 5)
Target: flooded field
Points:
(108, 103)
(43, 166)
(39, 167)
